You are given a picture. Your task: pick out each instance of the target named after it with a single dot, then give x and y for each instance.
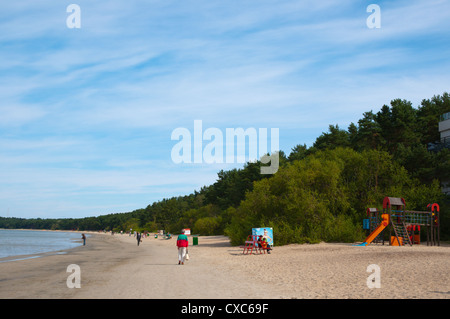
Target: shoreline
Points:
(114, 267)
(17, 257)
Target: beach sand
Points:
(113, 266)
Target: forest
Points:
(320, 193)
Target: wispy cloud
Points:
(86, 114)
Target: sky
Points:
(87, 114)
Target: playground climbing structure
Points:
(404, 225)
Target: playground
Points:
(402, 226)
(393, 225)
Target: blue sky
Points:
(86, 115)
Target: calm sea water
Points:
(26, 242)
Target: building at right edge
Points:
(444, 130)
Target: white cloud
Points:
(89, 112)
(16, 115)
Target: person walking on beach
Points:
(182, 244)
(138, 237)
(83, 236)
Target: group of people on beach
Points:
(263, 243)
(183, 244)
(139, 236)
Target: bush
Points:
(207, 226)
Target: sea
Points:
(33, 242)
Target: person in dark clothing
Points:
(138, 237)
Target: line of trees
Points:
(319, 193)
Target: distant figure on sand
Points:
(83, 236)
(138, 237)
(182, 244)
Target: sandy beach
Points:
(113, 266)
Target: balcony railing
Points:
(445, 116)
